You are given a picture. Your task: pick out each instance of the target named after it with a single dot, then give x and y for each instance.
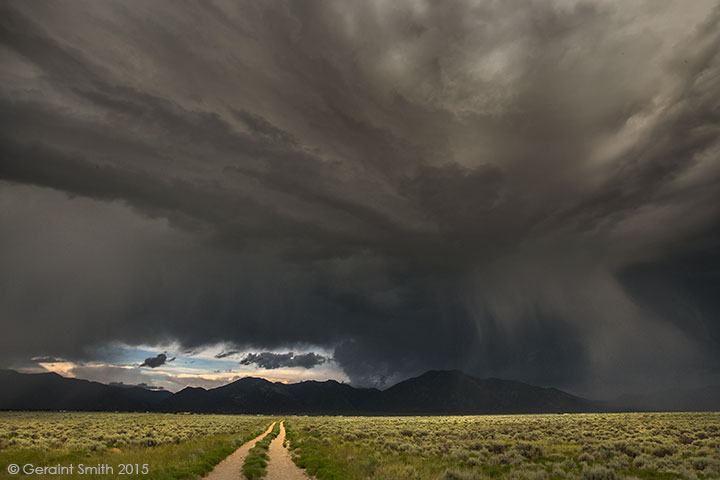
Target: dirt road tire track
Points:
(281, 466)
(231, 467)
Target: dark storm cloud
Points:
(154, 362)
(270, 360)
(410, 185)
(226, 354)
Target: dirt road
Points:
(231, 467)
(281, 466)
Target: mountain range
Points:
(432, 393)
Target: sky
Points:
(192, 192)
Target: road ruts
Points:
(231, 467)
(281, 466)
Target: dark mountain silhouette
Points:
(434, 392)
(454, 392)
(256, 395)
(50, 391)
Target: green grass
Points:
(642, 446)
(190, 458)
(648, 446)
(650, 474)
(256, 461)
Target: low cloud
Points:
(140, 385)
(270, 361)
(47, 359)
(154, 362)
(226, 354)
(150, 379)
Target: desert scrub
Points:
(653, 446)
(84, 431)
(173, 446)
(256, 461)
(305, 453)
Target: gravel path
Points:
(231, 467)
(281, 466)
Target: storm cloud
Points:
(226, 354)
(526, 192)
(154, 362)
(270, 360)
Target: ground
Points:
(653, 446)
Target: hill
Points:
(435, 392)
(432, 393)
(257, 395)
(50, 391)
(453, 392)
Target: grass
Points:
(256, 461)
(645, 446)
(200, 449)
(642, 446)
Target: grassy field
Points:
(172, 446)
(653, 446)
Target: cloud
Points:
(47, 360)
(146, 378)
(270, 361)
(141, 385)
(226, 354)
(154, 362)
(522, 192)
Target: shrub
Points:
(528, 450)
(460, 475)
(664, 450)
(645, 462)
(598, 472)
(585, 457)
(496, 447)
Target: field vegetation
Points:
(256, 461)
(172, 446)
(652, 446)
(643, 446)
